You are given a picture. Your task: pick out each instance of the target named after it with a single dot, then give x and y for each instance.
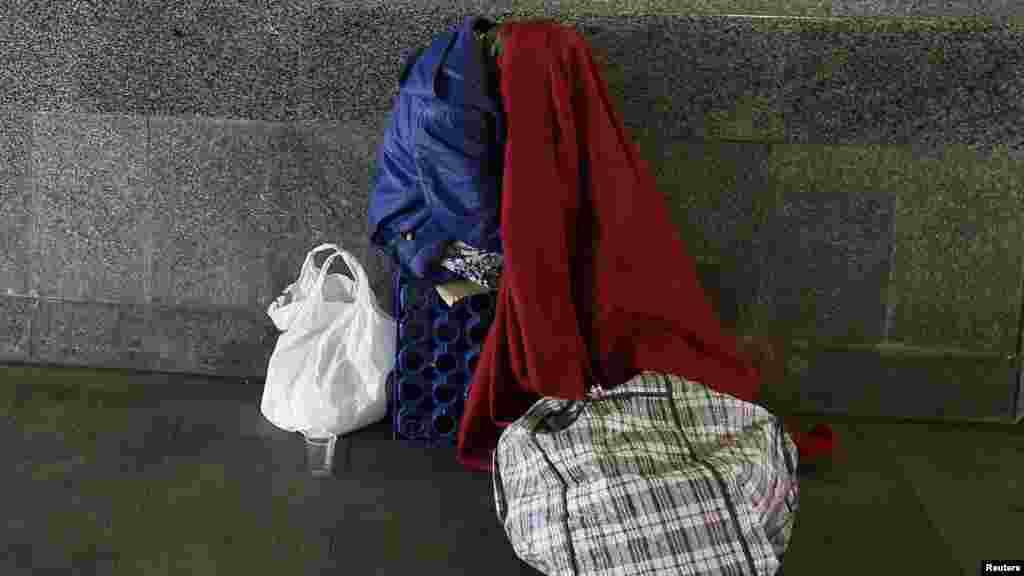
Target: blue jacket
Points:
(439, 167)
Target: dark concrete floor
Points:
(120, 473)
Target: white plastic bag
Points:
(328, 373)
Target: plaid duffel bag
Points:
(660, 475)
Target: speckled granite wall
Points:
(852, 182)
(157, 243)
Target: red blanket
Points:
(597, 284)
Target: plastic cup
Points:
(320, 455)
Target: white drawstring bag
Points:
(328, 372)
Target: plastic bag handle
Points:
(358, 272)
(501, 501)
(308, 264)
(318, 287)
(362, 281)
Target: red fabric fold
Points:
(812, 444)
(597, 284)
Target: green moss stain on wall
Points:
(751, 117)
(957, 270)
(813, 169)
(834, 66)
(858, 169)
(569, 10)
(805, 8)
(954, 292)
(695, 177)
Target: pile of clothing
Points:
(506, 165)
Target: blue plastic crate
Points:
(437, 351)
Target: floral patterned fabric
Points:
(477, 266)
